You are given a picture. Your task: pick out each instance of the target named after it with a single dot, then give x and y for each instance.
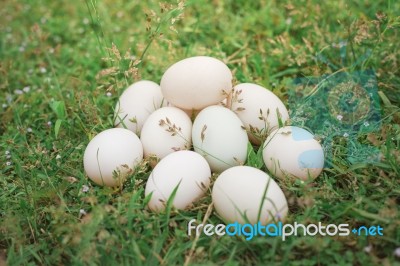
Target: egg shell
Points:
(196, 82)
(191, 113)
(187, 171)
(160, 138)
(293, 151)
(136, 103)
(219, 136)
(115, 149)
(239, 192)
(251, 98)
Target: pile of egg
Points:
(154, 122)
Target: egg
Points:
(245, 194)
(259, 109)
(185, 171)
(111, 156)
(196, 82)
(167, 130)
(293, 151)
(136, 103)
(219, 135)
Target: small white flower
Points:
(8, 163)
(369, 85)
(7, 152)
(82, 212)
(29, 130)
(26, 89)
(4, 105)
(342, 44)
(86, 21)
(288, 21)
(339, 117)
(18, 92)
(49, 123)
(43, 70)
(58, 157)
(85, 188)
(109, 94)
(366, 123)
(397, 252)
(368, 249)
(346, 135)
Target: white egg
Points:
(293, 151)
(167, 130)
(245, 194)
(259, 109)
(111, 156)
(136, 103)
(185, 171)
(196, 82)
(219, 135)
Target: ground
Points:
(63, 65)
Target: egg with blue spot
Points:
(293, 152)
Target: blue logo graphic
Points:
(342, 104)
(311, 159)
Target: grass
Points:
(77, 58)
